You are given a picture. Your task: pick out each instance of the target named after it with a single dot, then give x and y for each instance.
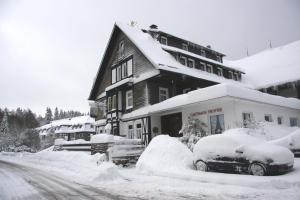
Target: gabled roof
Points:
(271, 67)
(160, 59)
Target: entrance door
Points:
(171, 124)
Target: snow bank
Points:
(102, 138)
(165, 154)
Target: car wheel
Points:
(201, 166)
(257, 169)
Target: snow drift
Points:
(165, 154)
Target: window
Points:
(268, 118)
(230, 74)
(113, 106)
(130, 132)
(109, 104)
(185, 47)
(236, 76)
(138, 131)
(191, 63)
(217, 124)
(163, 40)
(209, 68)
(129, 99)
(279, 120)
(129, 67)
(247, 118)
(124, 70)
(293, 121)
(182, 60)
(220, 71)
(119, 72)
(203, 53)
(113, 76)
(163, 94)
(219, 59)
(202, 66)
(121, 49)
(119, 100)
(186, 90)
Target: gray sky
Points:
(50, 50)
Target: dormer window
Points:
(183, 60)
(164, 40)
(219, 59)
(209, 68)
(191, 63)
(121, 48)
(220, 71)
(203, 53)
(236, 76)
(185, 47)
(202, 66)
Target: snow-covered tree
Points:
(4, 126)
(48, 115)
(192, 131)
(56, 114)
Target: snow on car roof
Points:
(271, 67)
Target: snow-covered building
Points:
(274, 71)
(69, 129)
(143, 77)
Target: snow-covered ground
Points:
(184, 184)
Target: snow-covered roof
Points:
(271, 67)
(155, 53)
(69, 121)
(212, 92)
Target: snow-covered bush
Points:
(192, 131)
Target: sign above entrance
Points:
(205, 112)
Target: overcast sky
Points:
(50, 50)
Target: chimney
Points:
(208, 46)
(153, 26)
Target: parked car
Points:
(235, 151)
(291, 141)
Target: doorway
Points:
(171, 124)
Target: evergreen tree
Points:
(56, 114)
(4, 125)
(48, 115)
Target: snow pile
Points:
(107, 171)
(280, 64)
(102, 138)
(165, 154)
(254, 149)
(292, 141)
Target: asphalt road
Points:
(18, 182)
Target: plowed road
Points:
(25, 183)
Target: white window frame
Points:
(114, 102)
(236, 76)
(138, 131)
(230, 72)
(119, 100)
(121, 48)
(130, 67)
(193, 62)
(128, 99)
(130, 131)
(281, 119)
(119, 73)
(251, 117)
(220, 71)
(164, 38)
(270, 117)
(296, 119)
(211, 68)
(166, 95)
(204, 66)
(185, 60)
(219, 59)
(186, 90)
(124, 70)
(109, 104)
(185, 46)
(113, 75)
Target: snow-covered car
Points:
(291, 141)
(234, 151)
